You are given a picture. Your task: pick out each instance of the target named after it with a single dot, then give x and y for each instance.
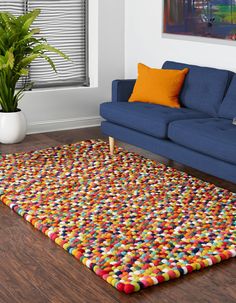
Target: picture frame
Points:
(200, 18)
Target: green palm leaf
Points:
(30, 17)
(49, 60)
(10, 59)
(47, 47)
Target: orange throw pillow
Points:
(159, 86)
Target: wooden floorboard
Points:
(33, 269)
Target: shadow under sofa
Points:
(200, 134)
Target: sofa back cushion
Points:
(228, 106)
(204, 87)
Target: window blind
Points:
(15, 7)
(64, 23)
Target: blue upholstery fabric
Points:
(148, 118)
(193, 135)
(204, 88)
(214, 137)
(228, 107)
(172, 151)
(122, 89)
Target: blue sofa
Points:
(200, 134)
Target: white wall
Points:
(54, 109)
(144, 42)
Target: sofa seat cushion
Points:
(151, 119)
(215, 137)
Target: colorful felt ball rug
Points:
(134, 222)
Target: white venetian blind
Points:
(65, 26)
(15, 7)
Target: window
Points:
(64, 23)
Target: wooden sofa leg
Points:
(111, 145)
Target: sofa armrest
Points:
(122, 89)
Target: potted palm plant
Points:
(19, 46)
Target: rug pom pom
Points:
(120, 286)
(128, 288)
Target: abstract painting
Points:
(204, 18)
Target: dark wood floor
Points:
(35, 270)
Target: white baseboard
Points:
(63, 124)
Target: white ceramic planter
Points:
(12, 127)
